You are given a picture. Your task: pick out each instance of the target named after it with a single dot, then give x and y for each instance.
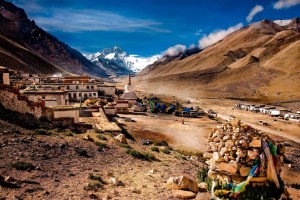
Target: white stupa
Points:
(129, 93)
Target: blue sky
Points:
(149, 27)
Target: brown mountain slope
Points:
(24, 46)
(258, 62)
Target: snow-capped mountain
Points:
(118, 56)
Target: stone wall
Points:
(11, 99)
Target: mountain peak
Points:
(266, 27)
(117, 56)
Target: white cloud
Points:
(254, 11)
(285, 4)
(175, 50)
(73, 20)
(192, 46)
(216, 36)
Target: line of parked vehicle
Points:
(270, 110)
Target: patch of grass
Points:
(101, 137)
(23, 166)
(139, 155)
(161, 143)
(100, 144)
(154, 148)
(149, 156)
(189, 153)
(96, 177)
(98, 130)
(42, 132)
(125, 145)
(165, 150)
(93, 185)
(68, 134)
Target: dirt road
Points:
(275, 127)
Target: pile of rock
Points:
(233, 149)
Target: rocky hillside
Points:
(256, 62)
(25, 46)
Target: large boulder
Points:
(121, 138)
(182, 182)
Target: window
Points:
(77, 87)
(90, 94)
(92, 87)
(87, 87)
(94, 94)
(68, 87)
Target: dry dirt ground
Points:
(190, 136)
(61, 173)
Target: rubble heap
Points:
(233, 149)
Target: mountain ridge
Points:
(23, 42)
(257, 61)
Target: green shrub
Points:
(139, 155)
(161, 143)
(165, 150)
(149, 156)
(23, 165)
(153, 148)
(101, 137)
(42, 132)
(125, 145)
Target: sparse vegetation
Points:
(154, 148)
(98, 130)
(93, 185)
(96, 177)
(161, 143)
(42, 132)
(165, 150)
(23, 166)
(100, 144)
(68, 133)
(198, 154)
(101, 137)
(139, 155)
